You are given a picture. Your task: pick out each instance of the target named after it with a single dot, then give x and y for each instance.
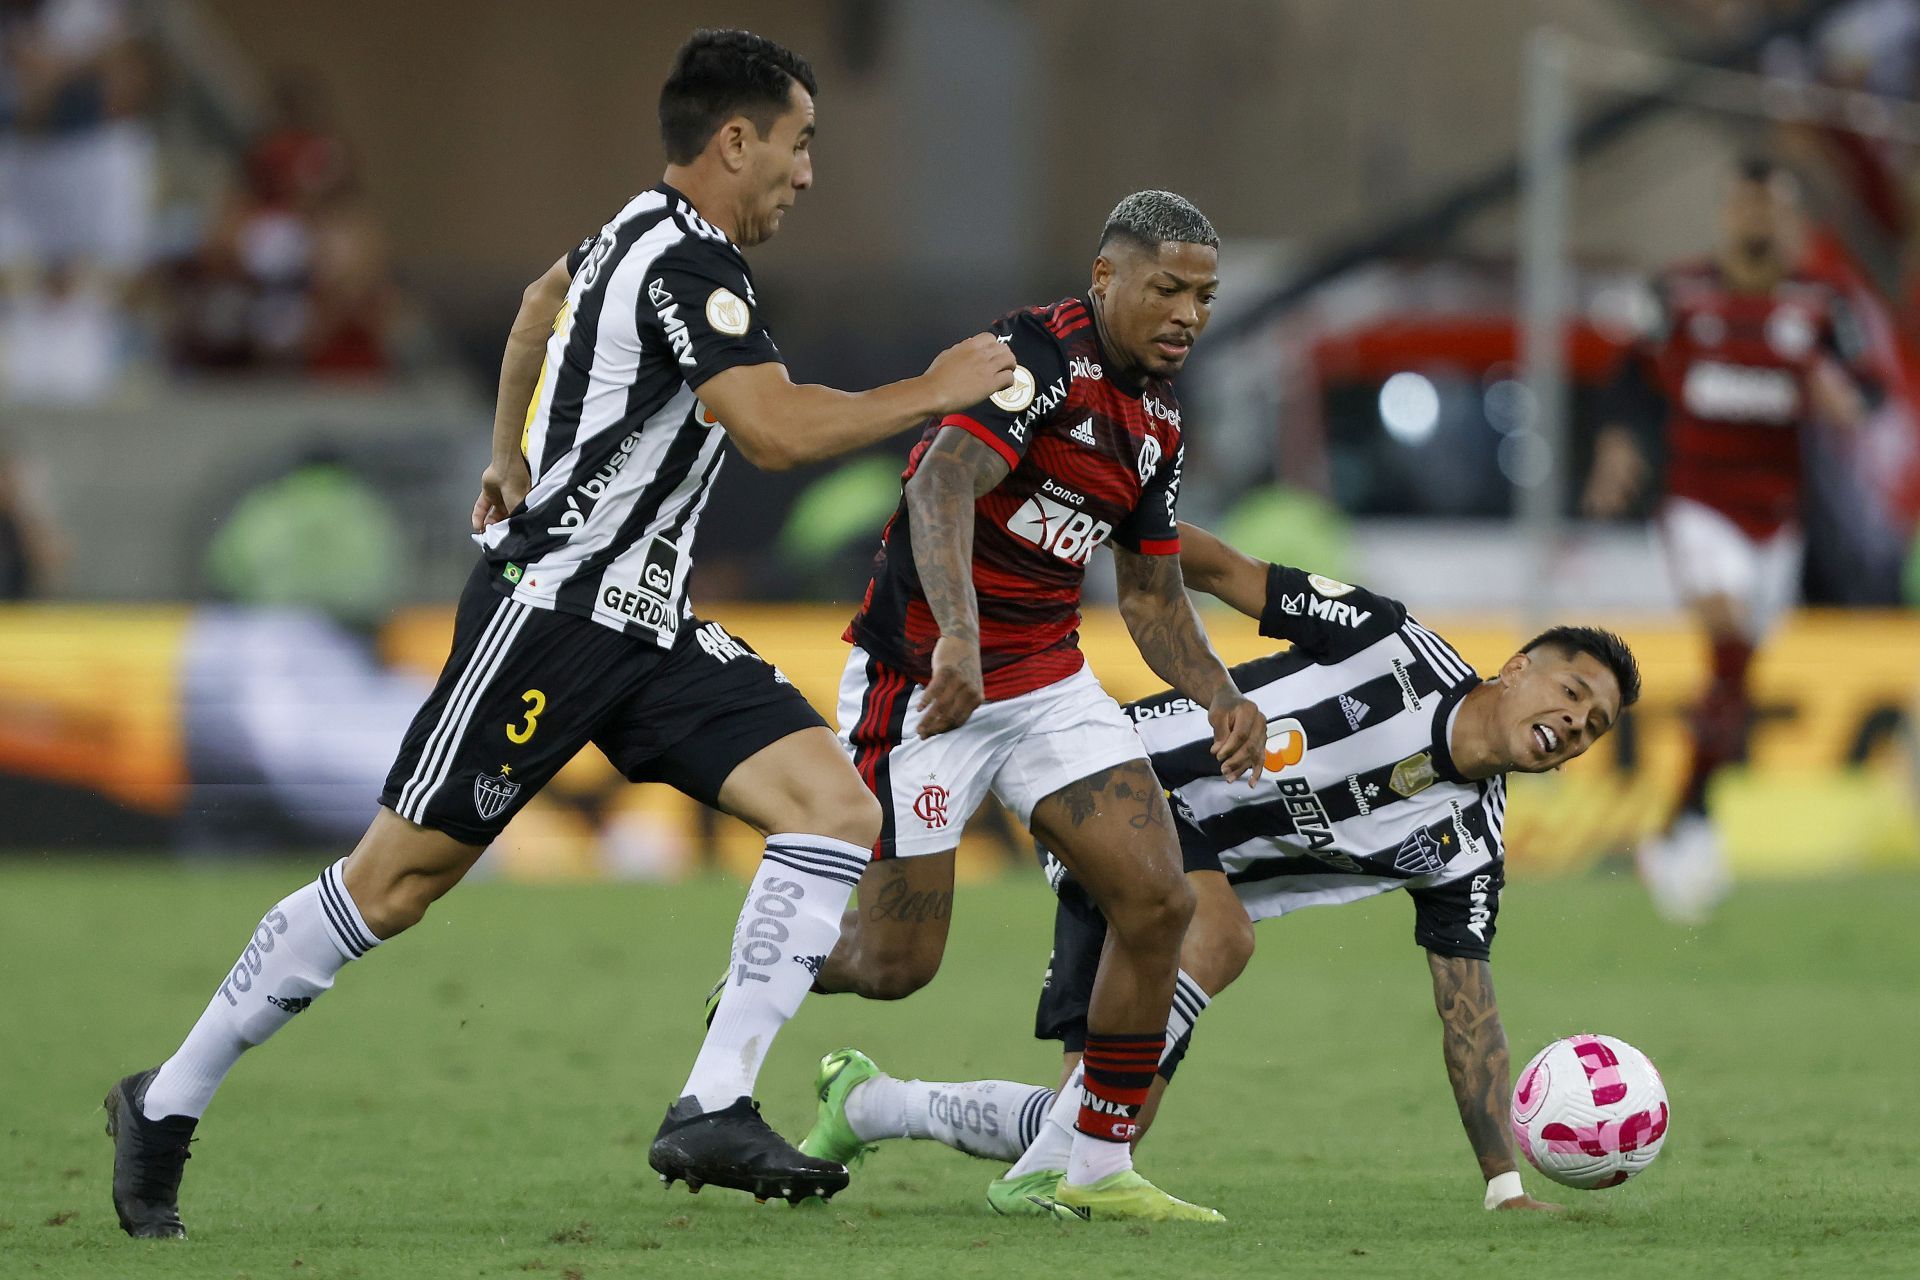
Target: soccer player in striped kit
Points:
(1387, 758)
(634, 360)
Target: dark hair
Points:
(718, 75)
(1600, 643)
(1754, 167)
(1151, 218)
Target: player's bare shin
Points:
(940, 499)
(1153, 601)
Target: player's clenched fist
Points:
(968, 372)
(1239, 736)
(955, 689)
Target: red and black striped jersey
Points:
(1092, 460)
(1732, 368)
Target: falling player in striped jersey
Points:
(1747, 355)
(1387, 758)
(634, 361)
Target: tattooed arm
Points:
(951, 477)
(1476, 1052)
(1166, 630)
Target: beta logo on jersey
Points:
(1286, 744)
(1053, 526)
(726, 312)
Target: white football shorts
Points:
(1022, 749)
(1708, 554)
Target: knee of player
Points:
(845, 811)
(897, 975)
(1161, 912)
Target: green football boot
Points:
(1031, 1195)
(1127, 1195)
(831, 1137)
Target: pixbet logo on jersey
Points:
(1054, 526)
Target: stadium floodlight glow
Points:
(1410, 408)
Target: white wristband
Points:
(1502, 1188)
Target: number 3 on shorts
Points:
(536, 703)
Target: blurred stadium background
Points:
(256, 265)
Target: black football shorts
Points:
(525, 689)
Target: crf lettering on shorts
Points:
(248, 966)
(761, 937)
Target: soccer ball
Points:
(1590, 1111)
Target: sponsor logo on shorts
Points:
(718, 645)
(492, 793)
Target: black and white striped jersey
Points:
(622, 453)
(1361, 796)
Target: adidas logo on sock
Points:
(810, 963)
(1084, 433)
(1355, 710)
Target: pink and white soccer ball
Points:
(1590, 1111)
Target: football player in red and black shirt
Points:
(1748, 353)
(967, 676)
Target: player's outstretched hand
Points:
(1239, 736)
(968, 372)
(956, 688)
(502, 488)
(1524, 1201)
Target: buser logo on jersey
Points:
(1052, 526)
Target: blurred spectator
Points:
(76, 153)
(31, 548)
(294, 274)
(77, 176)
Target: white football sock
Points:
(1052, 1147)
(786, 929)
(992, 1119)
(290, 960)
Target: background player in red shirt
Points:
(1748, 353)
(975, 600)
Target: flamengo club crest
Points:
(492, 793)
(931, 805)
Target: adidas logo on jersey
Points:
(1354, 709)
(1084, 433)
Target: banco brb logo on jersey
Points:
(1054, 526)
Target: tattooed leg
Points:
(892, 938)
(1114, 832)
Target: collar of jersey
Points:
(1442, 713)
(674, 193)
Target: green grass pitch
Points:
(476, 1099)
